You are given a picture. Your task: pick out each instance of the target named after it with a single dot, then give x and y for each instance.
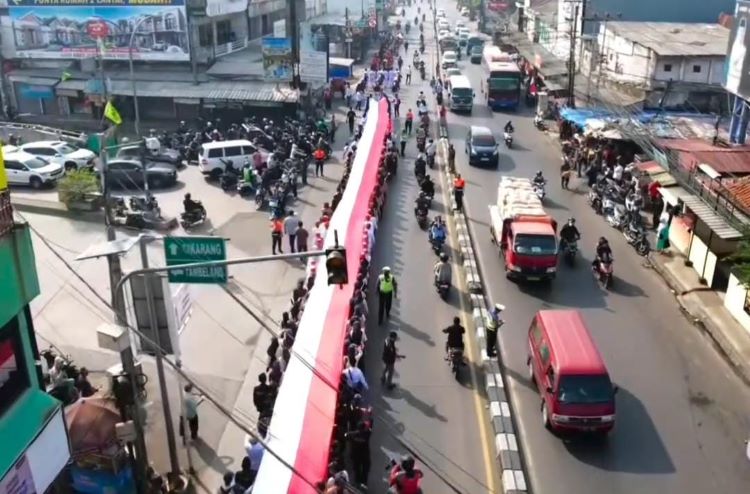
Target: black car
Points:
(137, 153)
(481, 147)
(128, 174)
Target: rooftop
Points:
(725, 160)
(670, 38)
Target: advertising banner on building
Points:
(215, 8)
(277, 59)
(75, 29)
(19, 479)
(737, 66)
(313, 55)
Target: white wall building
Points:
(649, 54)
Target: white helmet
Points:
(499, 307)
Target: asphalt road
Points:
(682, 415)
(443, 420)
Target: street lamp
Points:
(132, 73)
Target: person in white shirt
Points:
(617, 172)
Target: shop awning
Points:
(718, 225)
(257, 91)
(34, 81)
(674, 194)
(71, 85)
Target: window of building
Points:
(667, 67)
(265, 24)
(205, 35)
(223, 32)
(14, 379)
(697, 69)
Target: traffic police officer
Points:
(492, 324)
(387, 288)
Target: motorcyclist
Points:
(428, 186)
(603, 253)
(422, 205)
(437, 231)
(190, 205)
(442, 270)
(248, 175)
(420, 165)
(405, 478)
(431, 150)
(182, 127)
(569, 233)
(539, 179)
(509, 127)
(455, 334)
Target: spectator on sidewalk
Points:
(277, 231)
(190, 404)
(262, 394)
(302, 236)
(244, 478)
(350, 118)
(291, 223)
(227, 486)
(348, 95)
(360, 452)
(409, 121)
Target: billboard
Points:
(74, 29)
(277, 59)
(737, 68)
(313, 54)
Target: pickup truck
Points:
(524, 232)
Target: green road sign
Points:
(186, 250)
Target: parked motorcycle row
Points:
(622, 210)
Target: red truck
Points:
(525, 233)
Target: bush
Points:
(78, 186)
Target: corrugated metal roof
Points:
(694, 152)
(232, 91)
(711, 218)
(740, 190)
(675, 39)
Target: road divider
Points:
(507, 451)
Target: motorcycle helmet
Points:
(499, 307)
(407, 463)
(571, 221)
(602, 241)
(187, 196)
(539, 173)
(444, 257)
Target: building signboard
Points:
(313, 55)
(277, 59)
(737, 78)
(69, 29)
(216, 8)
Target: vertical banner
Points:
(737, 80)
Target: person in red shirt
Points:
(320, 156)
(409, 121)
(405, 478)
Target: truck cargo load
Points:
(524, 231)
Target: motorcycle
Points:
(228, 180)
(539, 191)
(570, 250)
(190, 219)
(604, 273)
(508, 136)
(539, 123)
(636, 237)
(456, 359)
(618, 218)
(437, 245)
(145, 206)
(595, 201)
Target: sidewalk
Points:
(705, 308)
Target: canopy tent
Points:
(303, 419)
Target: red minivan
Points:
(577, 394)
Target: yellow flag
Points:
(3, 175)
(112, 114)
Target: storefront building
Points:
(34, 439)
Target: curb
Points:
(512, 470)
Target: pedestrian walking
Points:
(291, 223)
(227, 486)
(320, 156)
(406, 47)
(348, 95)
(396, 106)
(302, 236)
(409, 122)
(277, 231)
(565, 172)
(262, 395)
(408, 75)
(451, 158)
(358, 100)
(404, 138)
(190, 404)
(332, 129)
(491, 325)
(387, 289)
(350, 117)
(389, 357)
(657, 205)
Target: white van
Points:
(214, 156)
(460, 93)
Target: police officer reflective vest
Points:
(385, 285)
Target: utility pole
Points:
(572, 59)
(172, 445)
(294, 36)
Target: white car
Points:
(440, 14)
(450, 59)
(465, 11)
(452, 71)
(443, 25)
(460, 24)
(442, 34)
(67, 155)
(25, 169)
